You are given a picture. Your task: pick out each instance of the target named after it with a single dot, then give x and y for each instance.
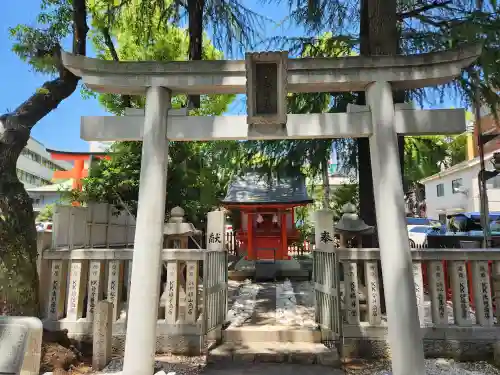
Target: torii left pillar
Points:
(140, 343)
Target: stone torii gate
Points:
(267, 78)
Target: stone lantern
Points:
(176, 234)
(349, 227)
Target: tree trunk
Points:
(378, 36)
(326, 185)
(19, 293)
(366, 196)
(195, 14)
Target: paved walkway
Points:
(272, 303)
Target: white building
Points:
(456, 189)
(35, 167)
(48, 194)
(99, 146)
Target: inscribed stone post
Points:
(351, 297)
(114, 286)
(482, 293)
(78, 279)
(216, 221)
(172, 303)
(102, 334)
(57, 291)
(191, 291)
(437, 288)
(419, 290)
(127, 282)
(496, 288)
(95, 286)
(213, 274)
(460, 293)
(373, 292)
(325, 270)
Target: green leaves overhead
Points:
(39, 45)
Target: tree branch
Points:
(108, 41)
(52, 93)
(417, 11)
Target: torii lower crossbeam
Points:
(310, 126)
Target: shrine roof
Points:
(77, 153)
(254, 188)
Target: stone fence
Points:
(78, 279)
(450, 323)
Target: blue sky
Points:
(61, 128)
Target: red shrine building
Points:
(267, 217)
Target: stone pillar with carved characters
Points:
(180, 301)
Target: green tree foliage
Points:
(345, 193)
(198, 172)
(46, 213)
(169, 44)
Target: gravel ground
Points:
(177, 365)
(172, 365)
(244, 304)
(444, 366)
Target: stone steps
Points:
(275, 352)
(265, 333)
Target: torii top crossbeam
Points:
(342, 74)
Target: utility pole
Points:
(484, 175)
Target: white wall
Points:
(449, 203)
(42, 172)
(41, 199)
(99, 146)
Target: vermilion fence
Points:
(233, 246)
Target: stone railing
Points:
(452, 323)
(77, 279)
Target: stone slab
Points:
(20, 345)
(294, 274)
(240, 275)
(275, 352)
(264, 333)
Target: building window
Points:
(31, 178)
(442, 218)
(40, 160)
(440, 190)
(456, 185)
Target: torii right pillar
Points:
(404, 334)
